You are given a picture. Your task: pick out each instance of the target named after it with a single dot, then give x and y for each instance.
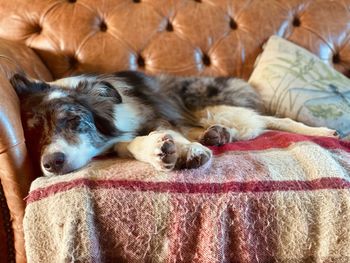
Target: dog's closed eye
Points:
(77, 122)
(70, 121)
(73, 119)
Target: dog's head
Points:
(66, 126)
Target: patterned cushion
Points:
(295, 83)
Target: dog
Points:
(163, 120)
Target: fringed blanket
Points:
(278, 198)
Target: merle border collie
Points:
(166, 121)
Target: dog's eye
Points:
(73, 119)
(73, 122)
(79, 123)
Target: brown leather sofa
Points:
(49, 39)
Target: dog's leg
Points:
(289, 125)
(159, 150)
(165, 150)
(225, 124)
(190, 154)
(214, 135)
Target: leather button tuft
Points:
(140, 61)
(198, 1)
(103, 26)
(206, 60)
(169, 27)
(336, 58)
(72, 1)
(233, 24)
(296, 22)
(37, 29)
(347, 73)
(73, 62)
(136, 1)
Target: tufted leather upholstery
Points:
(184, 37)
(208, 37)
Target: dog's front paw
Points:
(216, 135)
(193, 156)
(165, 154)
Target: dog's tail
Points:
(199, 92)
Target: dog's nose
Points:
(54, 162)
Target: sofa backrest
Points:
(184, 37)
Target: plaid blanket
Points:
(279, 198)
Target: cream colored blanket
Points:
(278, 198)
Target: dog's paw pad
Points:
(196, 156)
(216, 135)
(166, 152)
(196, 161)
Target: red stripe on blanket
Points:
(191, 188)
(277, 139)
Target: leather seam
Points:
(7, 148)
(11, 61)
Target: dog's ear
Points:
(105, 123)
(100, 89)
(106, 89)
(102, 113)
(24, 86)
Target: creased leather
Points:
(173, 36)
(15, 169)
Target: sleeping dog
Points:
(165, 121)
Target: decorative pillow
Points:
(295, 83)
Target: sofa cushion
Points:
(295, 83)
(279, 198)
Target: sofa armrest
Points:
(15, 169)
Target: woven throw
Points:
(278, 198)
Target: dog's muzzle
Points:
(54, 162)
